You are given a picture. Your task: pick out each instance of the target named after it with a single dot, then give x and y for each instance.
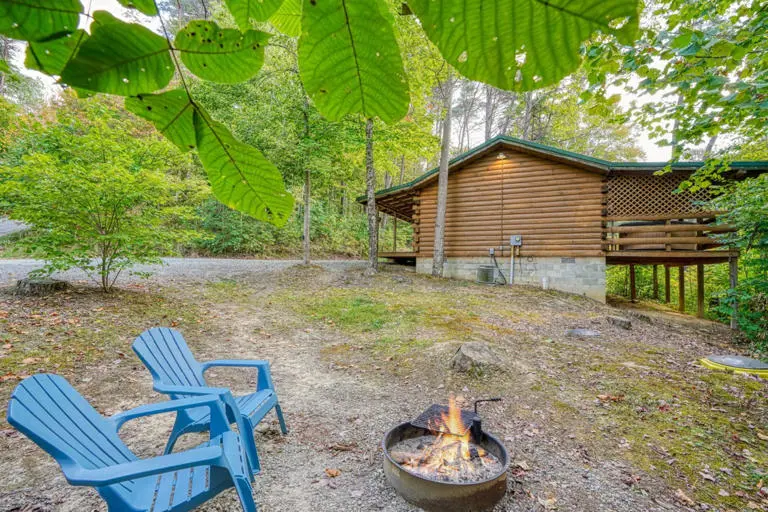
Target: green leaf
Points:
(521, 44)
(120, 58)
(33, 20)
(145, 6)
(247, 11)
(287, 19)
(349, 60)
(4, 67)
(172, 114)
(221, 55)
(240, 176)
(51, 56)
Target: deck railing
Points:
(672, 232)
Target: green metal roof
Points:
(593, 164)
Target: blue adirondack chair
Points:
(48, 410)
(176, 372)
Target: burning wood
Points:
(447, 453)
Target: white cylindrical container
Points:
(545, 283)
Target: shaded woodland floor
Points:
(626, 421)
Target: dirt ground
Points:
(626, 421)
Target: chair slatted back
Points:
(48, 410)
(166, 354)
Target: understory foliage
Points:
(747, 206)
(100, 191)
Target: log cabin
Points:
(564, 216)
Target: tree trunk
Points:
(307, 211)
(5, 54)
(489, 112)
(373, 217)
(710, 146)
(438, 256)
(385, 217)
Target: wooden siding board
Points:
(557, 208)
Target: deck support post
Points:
(394, 234)
(700, 290)
(733, 264)
(681, 288)
(632, 284)
(655, 282)
(667, 285)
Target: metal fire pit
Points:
(433, 495)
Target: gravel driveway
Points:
(203, 269)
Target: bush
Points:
(98, 197)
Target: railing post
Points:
(700, 290)
(681, 288)
(733, 264)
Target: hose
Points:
(496, 263)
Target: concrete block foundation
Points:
(582, 276)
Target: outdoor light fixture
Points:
(501, 156)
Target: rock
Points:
(39, 286)
(641, 316)
(582, 333)
(474, 355)
(618, 321)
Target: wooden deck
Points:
(404, 257)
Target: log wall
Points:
(557, 208)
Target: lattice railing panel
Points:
(651, 195)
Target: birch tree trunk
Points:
(307, 189)
(307, 211)
(438, 256)
(373, 216)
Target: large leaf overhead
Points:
(33, 20)
(120, 58)
(287, 19)
(52, 56)
(170, 112)
(147, 7)
(350, 61)
(221, 54)
(240, 176)
(246, 12)
(521, 44)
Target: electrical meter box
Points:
(516, 240)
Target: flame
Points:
(452, 452)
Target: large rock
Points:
(39, 286)
(620, 321)
(474, 356)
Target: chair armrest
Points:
(168, 389)
(224, 395)
(211, 455)
(219, 423)
(264, 377)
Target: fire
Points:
(451, 454)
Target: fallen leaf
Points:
(30, 360)
(611, 398)
(332, 473)
(521, 464)
(683, 498)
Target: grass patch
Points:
(692, 430)
(385, 314)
